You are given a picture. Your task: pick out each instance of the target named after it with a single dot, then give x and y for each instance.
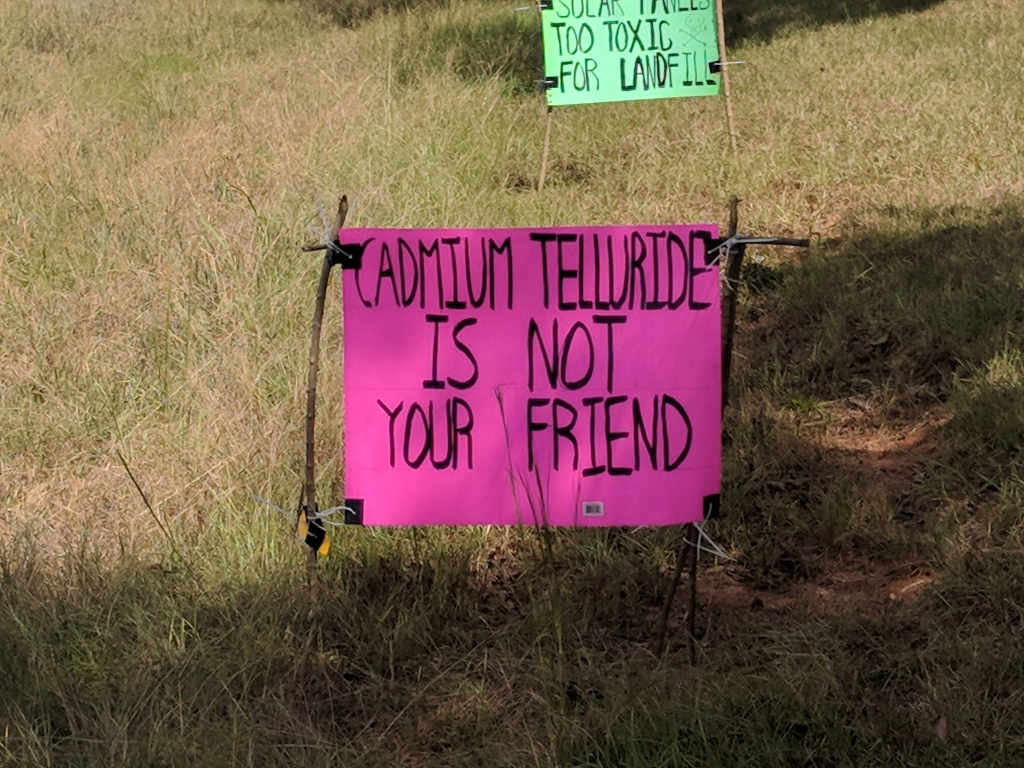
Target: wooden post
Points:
(666, 609)
(544, 154)
(310, 507)
(733, 264)
(693, 541)
(725, 75)
(691, 536)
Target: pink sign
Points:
(563, 376)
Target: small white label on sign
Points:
(593, 508)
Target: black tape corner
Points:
(348, 256)
(711, 245)
(546, 5)
(712, 506)
(353, 511)
(715, 67)
(548, 83)
(315, 533)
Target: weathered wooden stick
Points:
(310, 506)
(691, 536)
(544, 154)
(724, 72)
(666, 609)
(734, 263)
(693, 540)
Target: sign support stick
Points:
(731, 252)
(725, 77)
(733, 265)
(547, 147)
(666, 609)
(309, 508)
(693, 543)
(691, 536)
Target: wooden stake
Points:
(734, 263)
(725, 75)
(691, 536)
(666, 609)
(314, 366)
(692, 540)
(544, 155)
(734, 215)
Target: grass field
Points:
(161, 164)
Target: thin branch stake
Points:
(691, 537)
(544, 154)
(666, 609)
(724, 71)
(314, 366)
(734, 263)
(734, 215)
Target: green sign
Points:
(627, 50)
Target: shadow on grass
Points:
(351, 13)
(883, 394)
(502, 45)
(763, 20)
(399, 662)
(906, 310)
(414, 649)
